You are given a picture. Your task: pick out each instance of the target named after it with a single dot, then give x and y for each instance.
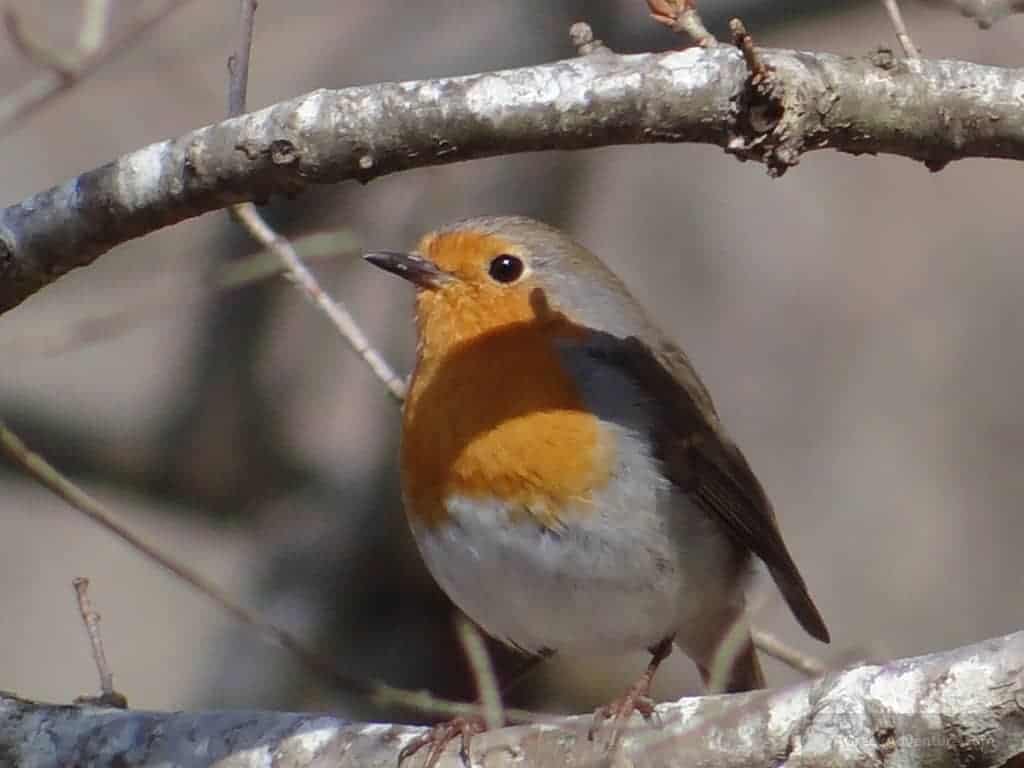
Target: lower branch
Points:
(962, 707)
(933, 111)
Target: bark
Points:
(933, 111)
(957, 708)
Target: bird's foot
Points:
(636, 699)
(440, 736)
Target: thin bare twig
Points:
(892, 7)
(247, 215)
(682, 16)
(69, 68)
(95, 24)
(483, 671)
(91, 620)
(780, 651)
(732, 645)
(238, 62)
(742, 40)
(108, 696)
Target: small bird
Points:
(565, 474)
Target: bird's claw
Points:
(440, 736)
(619, 711)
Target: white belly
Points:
(642, 565)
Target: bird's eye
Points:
(506, 268)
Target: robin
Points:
(564, 471)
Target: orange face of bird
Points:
(470, 283)
(491, 413)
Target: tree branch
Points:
(962, 707)
(933, 111)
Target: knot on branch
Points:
(583, 40)
(283, 152)
(758, 111)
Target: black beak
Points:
(413, 268)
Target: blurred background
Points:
(859, 322)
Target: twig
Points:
(682, 16)
(238, 62)
(95, 25)
(349, 329)
(91, 620)
(247, 215)
(378, 693)
(483, 671)
(742, 40)
(108, 696)
(67, 70)
(734, 643)
(893, 9)
(730, 647)
(788, 655)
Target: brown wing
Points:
(703, 461)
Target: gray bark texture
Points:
(957, 708)
(932, 111)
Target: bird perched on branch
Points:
(564, 471)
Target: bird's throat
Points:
(499, 419)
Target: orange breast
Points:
(497, 417)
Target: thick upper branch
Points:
(934, 111)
